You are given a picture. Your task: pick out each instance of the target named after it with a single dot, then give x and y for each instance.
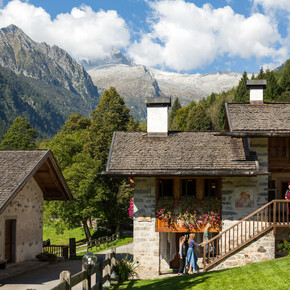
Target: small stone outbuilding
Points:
(27, 178)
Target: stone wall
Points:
(260, 249)
(146, 240)
(234, 208)
(27, 209)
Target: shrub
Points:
(126, 269)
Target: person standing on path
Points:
(191, 257)
(182, 255)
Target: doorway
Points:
(283, 188)
(10, 238)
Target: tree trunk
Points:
(86, 229)
(118, 230)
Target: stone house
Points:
(239, 174)
(27, 178)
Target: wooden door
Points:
(10, 240)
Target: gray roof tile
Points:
(274, 117)
(133, 152)
(14, 167)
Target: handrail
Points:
(239, 222)
(267, 217)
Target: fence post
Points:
(65, 276)
(113, 262)
(86, 281)
(107, 271)
(72, 247)
(99, 275)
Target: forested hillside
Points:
(19, 98)
(209, 113)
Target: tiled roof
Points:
(14, 167)
(181, 153)
(267, 117)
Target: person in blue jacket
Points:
(191, 257)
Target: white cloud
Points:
(84, 33)
(273, 4)
(185, 37)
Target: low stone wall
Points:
(260, 249)
(146, 240)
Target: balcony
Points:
(187, 215)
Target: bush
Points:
(284, 247)
(126, 269)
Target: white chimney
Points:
(157, 116)
(256, 90)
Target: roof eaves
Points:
(60, 176)
(110, 152)
(185, 173)
(23, 181)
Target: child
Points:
(191, 257)
(181, 255)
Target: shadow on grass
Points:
(179, 282)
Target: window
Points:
(210, 187)
(165, 187)
(189, 187)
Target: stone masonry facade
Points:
(256, 187)
(260, 249)
(27, 209)
(146, 240)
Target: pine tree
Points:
(19, 136)
(176, 106)
(242, 94)
(272, 90)
(198, 119)
(222, 116)
(285, 77)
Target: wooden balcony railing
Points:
(273, 214)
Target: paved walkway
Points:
(42, 276)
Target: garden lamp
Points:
(89, 260)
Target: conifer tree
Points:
(110, 115)
(285, 77)
(20, 135)
(175, 107)
(272, 90)
(242, 94)
(198, 119)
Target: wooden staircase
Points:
(273, 214)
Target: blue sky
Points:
(193, 36)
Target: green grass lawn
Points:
(265, 275)
(49, 232)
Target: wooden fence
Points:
(100, 241)
(58, 250)
(62, 250)
(104, 270)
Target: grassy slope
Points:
(266, 275)
(49, 232)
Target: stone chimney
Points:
(256, 90)
(157, 116)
